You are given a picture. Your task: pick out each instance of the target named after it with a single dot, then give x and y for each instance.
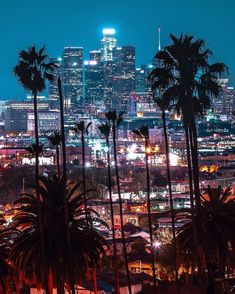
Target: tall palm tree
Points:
(191, 90)
(82, 129)
(160, 79)
(218, 218)
(143, 132)
(70, 270)
(35, 150)
(6, 270)
(32, 71)
(105, 130)
(115, 120)
(55, 140)
(86, 242)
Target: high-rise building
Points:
(123, 75)
(142, 85)
(108, 42)
(53, 87)
(72, 76)
(94, 82)
(95, 55)
(16, 114)
(47, 121)
(225, 103)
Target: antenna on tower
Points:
(159, 39)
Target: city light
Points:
(174, 159)
(109, 31)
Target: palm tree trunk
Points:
(70, 273)
(189, 166)
(84, 174)
(170, 192)
(58, 161)
(149, 214)
(195, 223)
(194, 149)
(120, 207)
(112, 219)
(40, 221)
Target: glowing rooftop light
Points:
(109, 31)
(59, 59)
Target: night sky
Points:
(59, 23)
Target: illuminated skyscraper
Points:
(95, 55)
(94, 82)
(108, 42)
(225, 103)
(123, 75)
(53, 88)
(142, 86)
(72, 76)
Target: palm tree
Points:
(143, 132)
(55, 140)
(193, 85)
(70, 273)
(105, 130)
(6, 271)
(218, 218)
(33, 71)
(82, 129)
(33, 149)
(115, 121)
(86, 242)
(160, 78)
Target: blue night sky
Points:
(59, 23)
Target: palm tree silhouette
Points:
(82, 129)
(32, 71)
(194, 85)
(105, 130)
(160, 78)
(55, 140)
(218, 217)
(86, 243)
(115, 120)
(143, 132)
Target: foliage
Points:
(87, 243)
(218, 219)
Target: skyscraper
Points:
(123, 75)
(53, 88)
(108, 42)
(142, 85)
(225, 103)
(94, 82)
(72, 76)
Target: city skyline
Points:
(136, 26)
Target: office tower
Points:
(123, 75)
(142, 85)
(47, 121)
(16, 114)
(53, 87)
(94, 82)
(108, 84)
(225, 103)
(108, 42)
(72, 76)
(95, 55)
